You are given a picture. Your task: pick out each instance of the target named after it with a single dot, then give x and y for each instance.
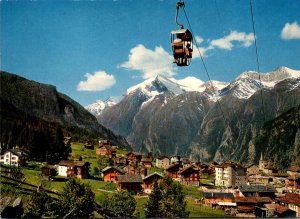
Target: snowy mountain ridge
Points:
(243, 87)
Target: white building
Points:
(12, 157)
(162, 162)
(230, 175)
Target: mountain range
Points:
(204, 120)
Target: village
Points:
(253, 190)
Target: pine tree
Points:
(152, 207)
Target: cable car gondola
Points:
(182, 42)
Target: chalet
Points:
(130, 183)
(106, 151)
(213, 199)
(292, 201)
(104, 142)
(13, 157)
(89, 145)
(134, 167)
(190, 176)
(204, 168)
(134, 156)
(162, 162)
(293, 170)
(259, 179)
(70, 168)
(173, 171)
(110, 174)
(120, 160)
(248, 205)
(277, 210)
(294, 182)
(149, 180)
(147, 161)
(49, 170)
(256, 190)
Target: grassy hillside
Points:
(102, 189)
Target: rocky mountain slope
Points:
(168, 116)
(31, 105)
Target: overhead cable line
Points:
(257, 62)
(205, 68)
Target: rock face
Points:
(23, 101)
(170, 117)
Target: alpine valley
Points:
(211, 121)
(36, 117)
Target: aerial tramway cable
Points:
(205, 68)
(257, 62)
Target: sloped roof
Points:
(72, 163)
(253, 199)
(256, 188)
(187, 168)
(113, 167)
(294, 169)
(153, 174)
(290, 198)
(277, 207)
(173, 166)
(218, 195)
(132, 178)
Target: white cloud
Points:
(150, 62)
(290, 31)
(99, 81)
(199, 39)
(226, 42)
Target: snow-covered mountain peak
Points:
(98, 107)
(154, 86)
(243, 87)
(269, 79)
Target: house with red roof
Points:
(290, 200)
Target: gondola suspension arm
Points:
(178, 6)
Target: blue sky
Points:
(96, 49)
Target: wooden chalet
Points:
(49, 170)
(89, 145)
(276, 210)
(256, 190)
(130, 183)
(173, 171)
(134, 167)
(190, 176)
(213, 199)
(149, 180)
(248, 205)
(70, 168)
(110, 174)
(147, 161)
(120, 161)
(134, 156)
(106, 151)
